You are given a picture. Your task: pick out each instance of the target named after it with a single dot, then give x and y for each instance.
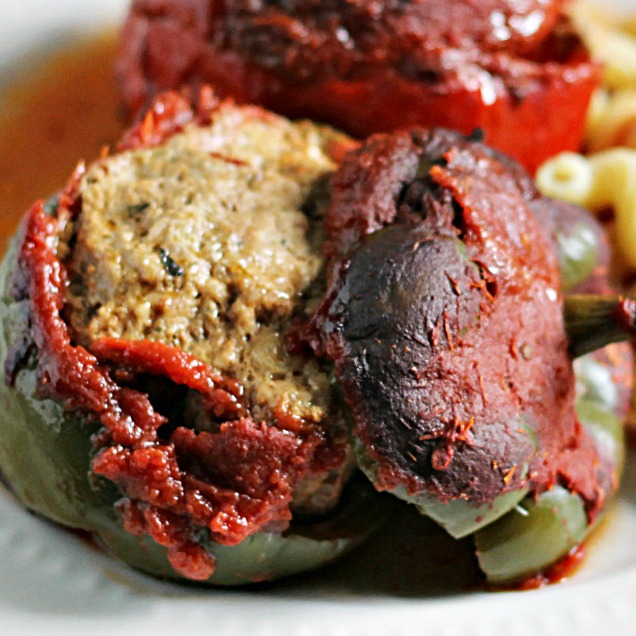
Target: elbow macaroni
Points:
(612, 116)
(611, 120)
(613, 43)
(604, 179)
(568, 176)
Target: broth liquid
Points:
(63, 110)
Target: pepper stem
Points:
(591, 321)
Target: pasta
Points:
(601, 180)
(612, 120)
(612, 116)
(610, 43)
(606, 177)
(568, 176)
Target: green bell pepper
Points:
(409, 323)
(540, 531)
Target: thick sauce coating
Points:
(311, 40)
(444, 320)
(511, 68)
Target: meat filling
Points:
(207, 243)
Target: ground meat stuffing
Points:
(202, 243)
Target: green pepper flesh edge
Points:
(540, 532)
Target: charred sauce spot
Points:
(458, 219)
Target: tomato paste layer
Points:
(509, 68)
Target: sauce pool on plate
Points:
(58, 110)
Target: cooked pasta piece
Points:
(609, 41)
(568, 176)
(604, 179)
(612, 120)
(612, 114)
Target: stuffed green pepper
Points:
(149, 393)
(444, 319)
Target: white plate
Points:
(53, 582)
